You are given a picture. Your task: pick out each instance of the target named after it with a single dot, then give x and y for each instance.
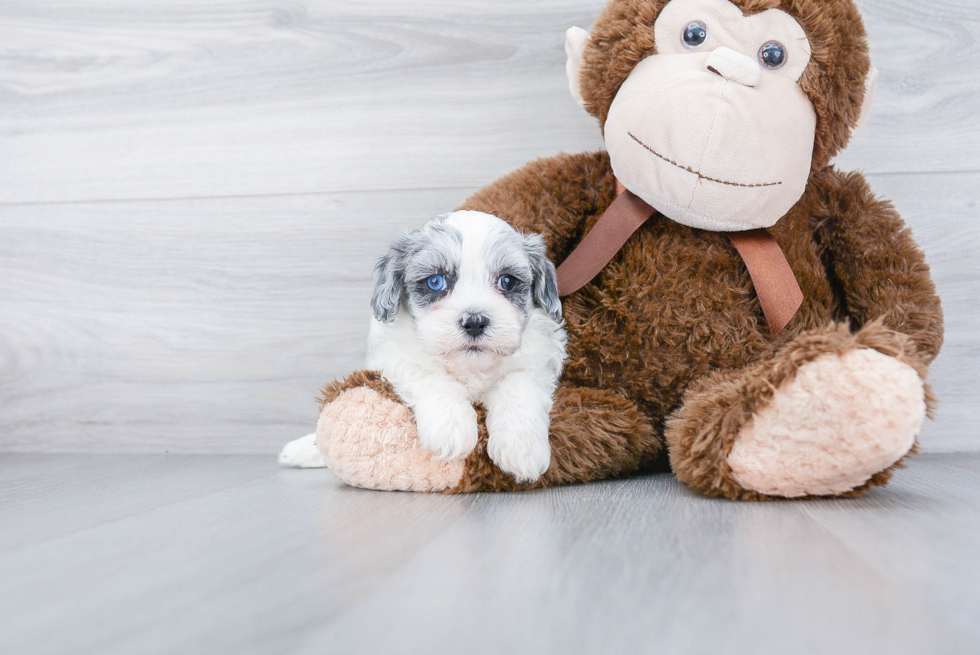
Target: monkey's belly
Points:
(674, 305)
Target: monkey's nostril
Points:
(474, 324)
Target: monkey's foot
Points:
(831, 413)
(838, 422)
(368, 439)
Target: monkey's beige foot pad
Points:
(842, 419)
(370, 441)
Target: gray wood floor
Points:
(230, 554)
(192, 193)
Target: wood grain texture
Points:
(110, 100)
(924, 115)
(191, 196)
(941, 209)
(252, 559)
(208, 325)
(189, 326)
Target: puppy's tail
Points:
(302, 453)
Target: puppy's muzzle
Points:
(474, 324)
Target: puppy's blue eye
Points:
(437, 283)
(506, 282)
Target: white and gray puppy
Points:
(466, 310)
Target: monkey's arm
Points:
(558, 197)
(872, 256)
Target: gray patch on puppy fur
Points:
(506, 256)
(433, 249)
(401, 275)
(389, 273)
(545, 278)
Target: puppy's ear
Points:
(545, 283)
(389, 278)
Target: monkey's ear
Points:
(870, 85)
(575, 40)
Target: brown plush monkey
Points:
(723, 116)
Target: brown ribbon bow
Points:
(773, 279)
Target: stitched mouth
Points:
(698, 173)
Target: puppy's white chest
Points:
(466, 310)
(478, 380)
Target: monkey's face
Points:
(714, 131)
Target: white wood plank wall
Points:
(192, 193)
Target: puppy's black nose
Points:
(475, 324)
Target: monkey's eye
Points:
(772, 55)
(506, 282)
(437, 282)
(694, 35)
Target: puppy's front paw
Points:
(518, 443)
(447, 428)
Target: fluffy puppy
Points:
(466, 310)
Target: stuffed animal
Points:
(738, 310)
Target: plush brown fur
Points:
(369, 379)
(595, 434)
(684, 314)
(668, 347)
